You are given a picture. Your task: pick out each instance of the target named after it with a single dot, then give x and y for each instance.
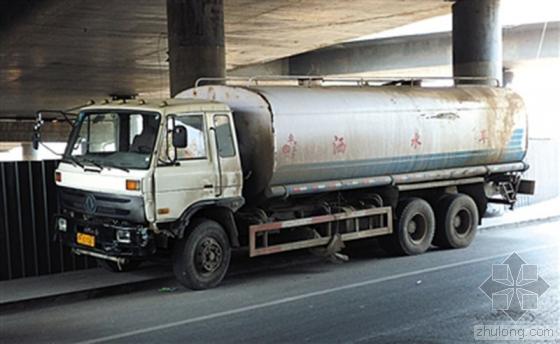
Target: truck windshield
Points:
(120, 139)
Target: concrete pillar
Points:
(196, 41)
(477, 40)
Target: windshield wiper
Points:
(94, 163)
(72, 160)
(100, 166)
(118, 167)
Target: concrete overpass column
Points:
(196, 41)
(477, 39)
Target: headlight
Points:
(62, 224)
(123, 236)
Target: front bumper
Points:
(119, 241)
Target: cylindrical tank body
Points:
(290, 135)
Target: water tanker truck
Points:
(273, 167)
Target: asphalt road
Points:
(432, 298)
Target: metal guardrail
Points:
(27, 201)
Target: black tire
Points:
(129, 265)
(457, 221)
(414, 228)
(201, 258)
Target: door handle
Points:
(208, 186)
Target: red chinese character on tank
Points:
(290, 147)
(483, 138)
(339, 145)
(415, 141)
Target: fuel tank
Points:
(296, 134)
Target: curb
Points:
(80, 295)
(133, 286)
(521, 223)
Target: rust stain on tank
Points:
(501, 121)
(443, 115)
(212, 93)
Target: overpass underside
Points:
(430, 54)
(61, 53)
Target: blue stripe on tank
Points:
(411, 163)
(517, 138)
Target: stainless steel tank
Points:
(295, 135)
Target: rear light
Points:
(132, 185)
(58, 177)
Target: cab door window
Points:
(224, 136)
(196, 135)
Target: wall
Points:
(27, 202)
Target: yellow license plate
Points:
(85, 239)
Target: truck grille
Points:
(118, 207)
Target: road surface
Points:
(432, 298)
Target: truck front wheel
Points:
(201, 258)
(457, 221)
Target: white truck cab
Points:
(122, 179)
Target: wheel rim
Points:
(417, 228)
(462, 222)
(209, 256)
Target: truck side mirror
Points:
(179, 137)
(36, 139)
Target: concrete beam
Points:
(21, 130)
(520, 44)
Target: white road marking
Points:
(303, 296)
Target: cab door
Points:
(228, 163)
(193, 177)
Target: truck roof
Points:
(161, 105)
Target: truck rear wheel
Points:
(201, 259)
(413, 229)
(457, 221)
